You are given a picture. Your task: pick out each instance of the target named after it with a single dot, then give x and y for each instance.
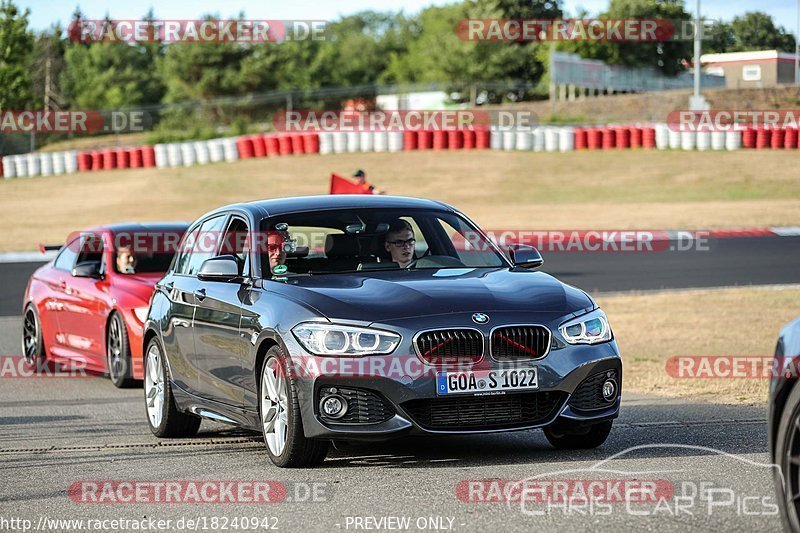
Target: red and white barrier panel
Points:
(539, 139)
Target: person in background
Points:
(400, 241)
(361, 180)
(126, 261)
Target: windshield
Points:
(348, 240)
(127, 262)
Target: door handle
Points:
(63, 284)
(200, 294)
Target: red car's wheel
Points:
(32, 342)
(119, 353)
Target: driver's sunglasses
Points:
(272, 248)
(403, 244)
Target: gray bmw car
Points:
(359, 317)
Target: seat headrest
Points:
(341, 245)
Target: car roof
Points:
(141, 227)
(285, 206)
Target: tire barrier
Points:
(540, 139)
(380, 141)
(790, 140)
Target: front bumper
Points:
(406, 402)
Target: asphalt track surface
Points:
(61, 431)
(719, 262)
(713, 458)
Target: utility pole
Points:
(47, 84)
(697, 102)
(797, 47)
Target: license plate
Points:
(486, 381)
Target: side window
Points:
(234, 242)
(91, 250)
(186, 251)
(205, 244)
(66, 258)
(421, 245)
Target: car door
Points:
(85, 311)
(177, 334)
(56, 281)
(219, 347)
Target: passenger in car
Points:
(400, 241)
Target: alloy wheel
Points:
(116, 363)
(274, 406)
(30, 336)
(154, 385)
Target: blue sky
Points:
(46, 12)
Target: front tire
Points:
(279, 411)
(32, 340)
(118, 353)
(163, 417)
(596, 436)
(787, 457)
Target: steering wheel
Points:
(413, 262)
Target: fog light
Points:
(333, 406)
(609, 390)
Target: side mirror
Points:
(87, 270)
(525, 256)
(220, 268)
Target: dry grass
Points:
(500, 190)
(96, 142)
(651, 328)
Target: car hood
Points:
(397, 294)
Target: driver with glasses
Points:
(400, 241)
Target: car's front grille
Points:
(363, 406)
(589, 394)
(485, 412)
(450, 346)
(515, 343)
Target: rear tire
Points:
(279, 412)
(118, 353)
(163, 417)
(594, 437)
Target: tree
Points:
(109, 75)
(16, 45)
(666, 56)
(757, 31)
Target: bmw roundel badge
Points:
(480, 318)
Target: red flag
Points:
(342, 185)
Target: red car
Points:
(90, 302)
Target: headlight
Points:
(336, 340)
(591, 328)
(140, 313)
